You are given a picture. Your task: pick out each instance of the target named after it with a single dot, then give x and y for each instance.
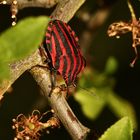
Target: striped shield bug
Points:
(63, 51)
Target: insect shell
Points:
(62, 47)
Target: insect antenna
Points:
(89, 92)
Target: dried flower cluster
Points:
(31, 127)
(118, 28)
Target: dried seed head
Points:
(118, 28)
(29, 128)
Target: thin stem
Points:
(66, 9)
(18, 68)
(32, 3)
(131, 10)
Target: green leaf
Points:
(86, 79)
(4, 71)
(91, 103)
(111, 66)
(121, 108)
(21, 40)
(121, 130)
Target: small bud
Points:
(15, 2)
(48, 132)
(15, 138)
(14, 120)
(117, 37)
(13, 127)
(52, 110)
(13, 16)
(27, 138)
(3, 2)
(13, 23)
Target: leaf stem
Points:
(131, 10)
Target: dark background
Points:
(26, 97)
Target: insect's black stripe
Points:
(67, 46)
(46, 45)
(83, 63)
(73, 35)
(74, 46)
(74, 52)
(78, 68)
(48, 31)
(70, 37)
(77, 52)
(48, 42)
(68, 55)
(65, 67)
(58, 51)
(81, 58)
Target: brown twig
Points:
(18, 68)
(33, 3)
(59, 104)
(66, 9)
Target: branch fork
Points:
(64, 11)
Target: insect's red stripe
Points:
(57, 49)
(48, 37)
(47, 41)
(49, 27)
(70, 52)
(72, 34)
(62, 66)
(53, 52)
(54, 48)
(64, 50)
(75, 40)
(64, 69)
(51, 45)
(58, 62)
(76, 54)
(73, 73)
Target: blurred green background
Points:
(113, 86)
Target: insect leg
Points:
(53, 79)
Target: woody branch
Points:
(64, 11)
(33, 3)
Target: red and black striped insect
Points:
(62, 47)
